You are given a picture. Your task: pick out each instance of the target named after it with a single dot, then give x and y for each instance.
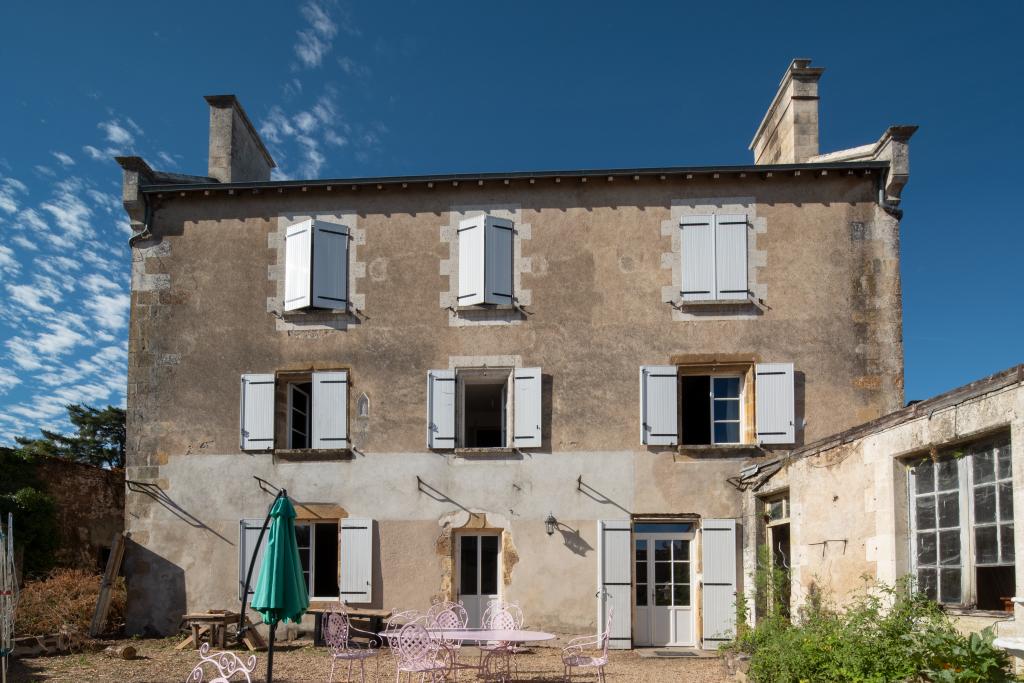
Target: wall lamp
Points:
(550, 524)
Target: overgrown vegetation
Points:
(885, 633)
(98, 440)
(65, 601)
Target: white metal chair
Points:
(338, 632)
(587, 651)
(225, 665)
(418, 653)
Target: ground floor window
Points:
(318, 552)
(962, 525)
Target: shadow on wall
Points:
(377, 580)
(799, 407)
(574, 542)
(156, 592)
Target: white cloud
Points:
(167, 160)
(110, 311)
(24, 242)
(96, 283)
(30, 353)
(305, 121)
(353, 68)
(334, 139)
(63, 158)
(32, 297)
(8, 263)
(314, 42)
(32, 219)
(116, 133)
(70, 213)
(8, 380)
(10, 188)
(45, 170)
(96, 154)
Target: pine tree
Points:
(99, 440)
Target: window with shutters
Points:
(713, 253)
(486, 261)
(961, 517)
(484, 408)
(316, 266)
(318, 553)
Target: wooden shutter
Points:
(471, 261)
(615, 581)
(355, 550)
(298, 266)
(731, 256)
(330, 265)
(659, 405)
(441, 409)
(526, 408)
(248, 535)
(774, 403)
(256, 412)
(718, 552)
(697, 252)
(499, 238)
(330, 410)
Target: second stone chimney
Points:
(788, 133)
(237, 154)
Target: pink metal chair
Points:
(394, 624)
(338, 632)
(496, 656)
(447, 615)
(418, 653)
(226, 666)
(587, 651)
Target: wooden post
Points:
(99, 618)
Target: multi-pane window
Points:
(711, 410)
(299, 414)
(962, 522)
(725, 415)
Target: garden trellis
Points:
(8, 592)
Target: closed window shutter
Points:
(441, 409)
(499, 241)
(256, 412)
(718, 551)
(659, 405)
(471, 261)
(298, 266)
(615, 581)
(330, 265)
(526, 410)
(355, 550)
(774, 403)
(248, 537)
(330, 410)
(731, 257)
(697, 251)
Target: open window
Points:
(484, 408)
(318, 552)
(295, 411)
(316, 266)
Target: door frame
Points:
(649, 536)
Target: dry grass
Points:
(65, 601)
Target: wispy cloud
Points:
(64, 159)
(314, 41)
(32, 297)
(116, 133)
(8, 380)
(353, 68)
(10, 188)
(70, 214)
(109, 310)
(9, 265)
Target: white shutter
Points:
(330, 265)
(248, 537)
(499, 239)
(659, 405)
(441, 409)
(330, 410)
(731, 257)
(298, 266)
(526, 409)
(774, 403)
(355, 549)
(718, 552)
(471, 261)
(697, 252)
(256, 412)
(615, 581)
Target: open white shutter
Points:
(659, 405)
(256, 412)
(355, 548)
(718, 551)
(441, 409)
(498, 250)
(731, 256)
(330, 409)
(774, 403)
(697, 252)
(330, 265)
(471, 261)
(526, 410)
(615, 581)
(298, 266)
(248, 537)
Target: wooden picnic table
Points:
(214, 622)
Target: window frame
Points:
(738, 370)
(739, 399)
(473, 375)
(293, 386)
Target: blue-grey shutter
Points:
(471, 261)
(615, 581)
(718, 553)
(659, 405)
(248, 535)
(697, 254)
(355, 552)
(330, 265)
(256, 412)
(526, 407)
(499, 252)
(330, 410)
(298, 266)
(441, 409)
(731, 257)
(774, 403)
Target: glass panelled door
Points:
(663, 578)
(477, 570)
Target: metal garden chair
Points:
(338, 632)
(225, 665)
(418, 653)
(449, 615)
(587, 651)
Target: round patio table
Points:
(485, 634)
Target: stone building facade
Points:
(532, 386)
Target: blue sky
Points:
(422, 87)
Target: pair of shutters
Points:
(713, 250)
(526, 408)
(774, 404)
(329, 420)
(615, 580)
(316, 266)
(355, 553)
(485, 260)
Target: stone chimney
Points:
(237, 154)
(788, 133)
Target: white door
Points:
(477, 571)
(663, 566)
